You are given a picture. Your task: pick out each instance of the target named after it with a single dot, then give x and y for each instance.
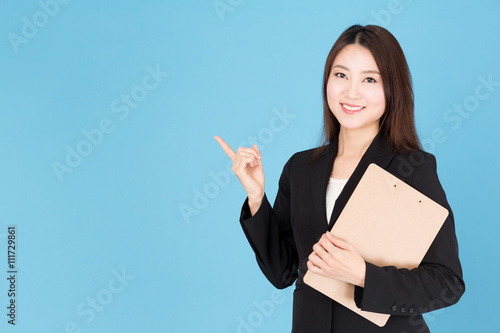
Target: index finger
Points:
(228, 150)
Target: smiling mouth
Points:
(351, 109)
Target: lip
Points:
(353, 106)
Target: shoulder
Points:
(411, 162)
(419, 169)
(305, 158)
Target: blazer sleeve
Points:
(269, 232)
(436, 283)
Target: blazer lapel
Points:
(321, 170)
(379, 152)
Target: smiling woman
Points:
(355, 91)
(368, 118)
(380, 57)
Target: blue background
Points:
(153, 200)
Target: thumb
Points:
(254, 147)
(338, 242)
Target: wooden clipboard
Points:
(390, 224)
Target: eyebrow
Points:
(364, 72)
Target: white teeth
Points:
(350, 108)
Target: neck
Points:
(354, 143)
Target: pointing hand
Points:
(247, 165)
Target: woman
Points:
(368, 118)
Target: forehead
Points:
(356, 58)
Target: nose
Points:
(353, 90)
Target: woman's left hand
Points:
(334, 258)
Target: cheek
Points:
(376, 97)
(333, 91)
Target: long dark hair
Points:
(397, 123)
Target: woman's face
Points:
(355, 92)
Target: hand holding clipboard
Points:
(390, 224)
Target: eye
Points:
(340, 75)
(370, 80)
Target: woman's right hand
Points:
(247, 165)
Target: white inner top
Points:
(333, 190)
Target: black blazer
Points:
(282, 237)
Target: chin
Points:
(355, 123)
(352, 126)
